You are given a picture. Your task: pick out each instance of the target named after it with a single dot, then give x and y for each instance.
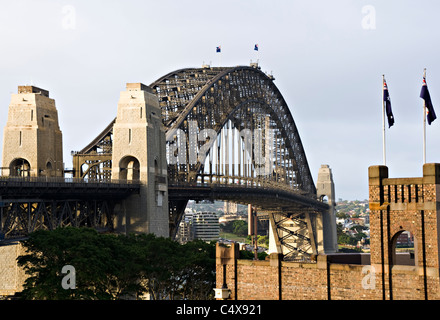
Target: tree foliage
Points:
(237, 227)
(109, 266)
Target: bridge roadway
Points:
(28, 204)
(268, 197)
(59, 188)
(56, 188)
(51, 191)
(265, 196)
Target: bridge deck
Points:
(64, 188)
(265, 197)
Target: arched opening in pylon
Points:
(20, 168)
(129, 169)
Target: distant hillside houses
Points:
(350, 222)
(352, 213)
(348, 229)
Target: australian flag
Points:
(218, 49)
(424, 94)
(387, 101)
(256, 47)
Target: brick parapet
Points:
(396, 205)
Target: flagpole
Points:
(424, 124)
(383, 124)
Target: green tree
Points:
(245, 254)
(112, 266)
(341, 215)
(227, 227)
(240, 228)
(346, 239)
(197, 276)
(92, 256)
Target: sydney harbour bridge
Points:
(229, 136)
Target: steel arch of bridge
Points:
(212, 96)
(227, 101)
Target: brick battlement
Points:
(396, 205)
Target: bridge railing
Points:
(8, 179)
(260, 184)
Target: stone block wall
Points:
(12, 277)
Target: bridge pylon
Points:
(139, 153)
(327, 241)
(32, 139)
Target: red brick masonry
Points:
(396, 205)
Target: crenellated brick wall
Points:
(396, 205)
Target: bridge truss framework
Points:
(34, 203)
(226, 129)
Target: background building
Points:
(206, 226)
(230, 208)
(198, 225)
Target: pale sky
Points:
(327, 57)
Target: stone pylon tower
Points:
(325, 190)
(139, 154)
(32, 140)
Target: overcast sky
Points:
(327, 57)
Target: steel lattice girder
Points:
(294, 235)
(19, 217)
